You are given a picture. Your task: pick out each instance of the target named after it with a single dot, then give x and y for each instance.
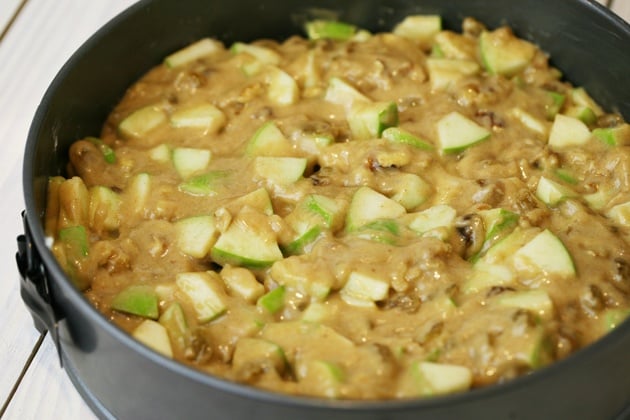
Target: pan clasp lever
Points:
(34, 286)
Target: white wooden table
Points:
(36, 38)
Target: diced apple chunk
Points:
(257, 353)
(205, 117)
(204, 290)
(620, 213)
(368, 205)
(268, 140)
(369, 120)
(329, 29)
(155, 336)
(363, 290)
(248, 242)
(242, 282)
(282, 88)
(568, 132)
(445, 72)
(436, 217)
(142, 121)
(196, 235)
(202, 48)
(419, 28)
(546, 253)
(429, 378)
(190, 161)
(551, 192)
(503, 53)
(280, 170)
(536, 301)
(343, 93)
(457, 132)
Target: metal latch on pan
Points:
(34, 286)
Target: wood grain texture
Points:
(622, 8)
(40, 39)
(7, 12)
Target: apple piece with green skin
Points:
(456, 46)
(536, 301)
(612, 318)
(430, 378)
(196, 235)
(410, 190)
(456, 133)
(250, 352)
(566, 176)
(614, 136)
(104, 209)
(189, 161)
(310, 218)
(620, 214)
(155, 336)
(249, 242)
(498, 223)
(369, 120)
(579, 96)
(205, 292)
(554, 104)
(138, 300)
(280, 170)
(174, 320)
(582, 113)
(368, 205)
(446, 72)
(254, 58)
(205, 184)
(272, 301)
(161, 153)
(529, 121)
(419, 28)
(293, 273)
(399, 135)
(364, 290)
(242, 282)
(503, 53)
(282, 89)
(568, 132)
(195, 51)
(258, 199)
(108, 153)
(268, 140)
(432, 219)
(487, 275)
(75, 248)
(343, 93)
(551, 192)
(141, 121)
(329, 29)
(262, 54)
(545, 253)
(137, 194)
(327, 377)
(206, 117)
(599, 199)
(385, 231)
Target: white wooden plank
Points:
(39, 41)
(47, 392)
(622, 8)
(8, 9)
(18, 334)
